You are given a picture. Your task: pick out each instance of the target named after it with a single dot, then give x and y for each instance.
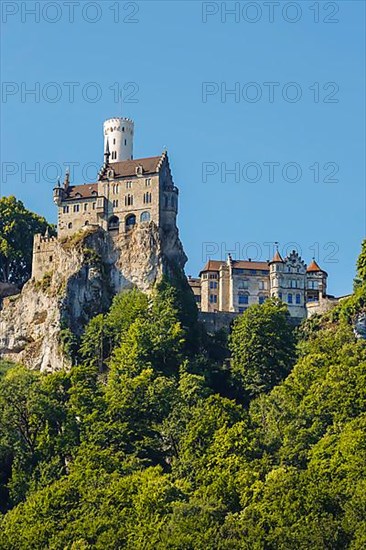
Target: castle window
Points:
(66, 209)
(51, 258)
(289, 298)
(148, 182)
(93, 205)
(242, 309)
(213, 284)
(113, 223)
(293, 283)
(69, 226)
(253, 272)
(125, 141)
(243, 284)
(213, 299)
(130, 221)
(147, 197)
(76, 208)
(280, 295)
(262, 285)
(128, 184)
(115, 203)
(298, 299)
(261, 299)
(123, 128)
(128, 200)
(85, 207)
(114, 141)
(145, 217)
(243, 299)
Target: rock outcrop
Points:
(88, 269)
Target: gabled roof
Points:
(86, 191)
(126, 168)
(213, 265)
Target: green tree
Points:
(17, 229)
(262, 347)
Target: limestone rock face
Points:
(87, 270)
(360, 326)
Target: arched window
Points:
(298, 299)
(113, 223)
(261, 299)
(289, 298)
(130, 221)
(145, 217)
(69, 226)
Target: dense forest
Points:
(164, 437)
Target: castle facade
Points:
(232, 286)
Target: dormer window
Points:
(139, 170)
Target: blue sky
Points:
(297, 167)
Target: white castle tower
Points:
(118, 133)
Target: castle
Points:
(233, 285)
(133, 193)
(129, 192)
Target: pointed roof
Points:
(277, 258)
(313, 266)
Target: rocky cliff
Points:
(87, 270)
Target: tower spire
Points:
(107, 153)
(67, 178)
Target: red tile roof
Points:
(214, 265)
(277, 258)
(246, 264)
(313, 266)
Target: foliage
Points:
(17, 229)
(262, 347)
(162, 437)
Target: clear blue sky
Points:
(169, 52)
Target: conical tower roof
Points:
(313, 266)
(276, 258)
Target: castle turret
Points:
(118, 136)
(58, 193)
(316, 282)
(276, 270)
